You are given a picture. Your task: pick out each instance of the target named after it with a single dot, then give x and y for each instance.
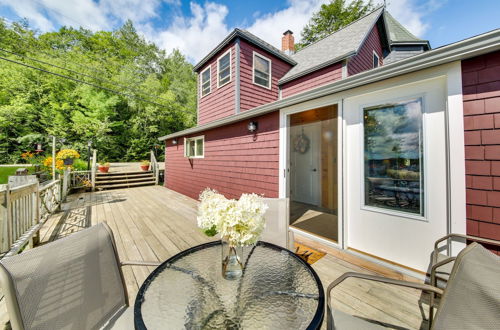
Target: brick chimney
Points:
(288, 43)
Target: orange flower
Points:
(27, 155)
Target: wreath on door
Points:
(301, 143)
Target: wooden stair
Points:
(118, 180)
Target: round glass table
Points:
(277, 290)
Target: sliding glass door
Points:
(313, 184)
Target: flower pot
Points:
(68, 161)
(103, 169)
(144, 167)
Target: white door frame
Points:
(454, 141)
(284, 160)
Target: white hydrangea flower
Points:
(240, 222)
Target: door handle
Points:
(314, 170)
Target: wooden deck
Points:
(154, 223)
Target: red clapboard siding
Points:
(481, 98)
(220, 102)
(252, 95)
(364, 59)
(317, 78)
(235, 161)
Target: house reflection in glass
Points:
(393, 161)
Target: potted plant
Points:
(104, 167)
(68, 156)
(145, 165)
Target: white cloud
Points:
(195, 36)
(412, 15)
(200, 31)
(270, 27)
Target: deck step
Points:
(123, 180)
(124, 173)
(126, 185)
(119, 180)
(124, 176)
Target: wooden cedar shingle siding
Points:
(220, 102)
(235, 161)
(252, 95)
(364, 59)
(481, 97)
(315, 79)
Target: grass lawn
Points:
(5, 172)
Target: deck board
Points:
(153, 223)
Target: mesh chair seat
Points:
(472, 296)
(72, 283)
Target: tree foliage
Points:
(157, 91)
(332, 17)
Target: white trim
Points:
(209, 67)
(378, 59)
(284, 160)
(230, 68)
(270, 69)
(194, 138)
(423, 167)
(456, 154)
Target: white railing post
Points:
(154, 167)
(4, 218)
(65, 186)
(93, 169)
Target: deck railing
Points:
(155, 167)
(23, 210)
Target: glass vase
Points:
(232, 260)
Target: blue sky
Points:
(195, 27)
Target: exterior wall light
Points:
(174, 142)
(253, 126)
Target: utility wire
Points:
(81, 81)
(83, 74)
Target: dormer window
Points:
(376, 60)
(206, 81)
(261, 70)
(224, 69)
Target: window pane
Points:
(375, 61)
(224, 69)
(205, 82)
(393, 157)
(261, 81)
(199, 147)
(261, 64)
(191, 148)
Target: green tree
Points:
(156, 92)
(332, 17)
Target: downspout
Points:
(237, 78)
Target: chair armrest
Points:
(436, 266)
(469, 237)
(140, 263)
(408, 284)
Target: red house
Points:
(381, 144)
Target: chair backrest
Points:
(472, 296)
(72, 283)
(277, 215)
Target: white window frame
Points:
(270, 69)
(378, 60)
(209, 79)
(424, 214)
(230, 68)
(195, 138)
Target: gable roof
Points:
(333, 48)
(478, 45)
(245, 35)
(398, 34)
